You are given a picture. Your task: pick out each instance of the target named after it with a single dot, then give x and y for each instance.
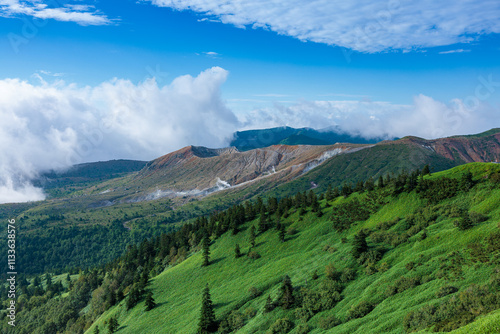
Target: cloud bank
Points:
(362, 25)
(81, 14)
(56, 125)
(425, 117)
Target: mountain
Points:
(196, 169)
(252, 139)
(82, 175)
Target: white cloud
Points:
(426, 117)
(55, 125)
(453, 51)
(362, 25)
(78, 13)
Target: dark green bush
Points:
(477, 218)
(348, 274)
(463, 223)
(302, 329)
(360, 310)
(446, 290)
(281, 326)
(253, 255)
(328, 322)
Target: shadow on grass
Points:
(220, 259)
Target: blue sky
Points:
(88, 80)
(140, 37)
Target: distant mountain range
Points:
(251, 139)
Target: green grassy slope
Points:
(177, 290)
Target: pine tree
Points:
(286, 300)
(96, 330)
(252, 236)
(360, 187)
(380, 182)
(329, 193)
(269, 306)
(282, 233)
(369, 184)
(237, 251)
(346, 190)
(36, 281)
(68, 278)
(150, 302)
(48, 280)
(426, 170)
(113, 325)
(262, 221)
(206, 251)
(134, 296)
(207, 322)
(359, 245)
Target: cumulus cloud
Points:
(362, 25)
(55, 125)
(78, 13)
(425, 117)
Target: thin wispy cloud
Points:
(81, 14)
(211, 54)
(453, 51)
(356, 96)
(272, 95)
(362, 25)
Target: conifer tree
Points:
(359, 245)
(380, 183)
(269, 306)
(252, 236)
(36, 281)
(48, 280)
(336, 192)
(207, 322)
(426, 170)
(206, 251)
(96, 330)
(282, 233)
(346, 190)
(262, 221)
(369, 184)
(113, 325)
(150, 302)
(329, 193)
(237, 251)
(286, 300)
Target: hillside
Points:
(415, 257)
(59, 183)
